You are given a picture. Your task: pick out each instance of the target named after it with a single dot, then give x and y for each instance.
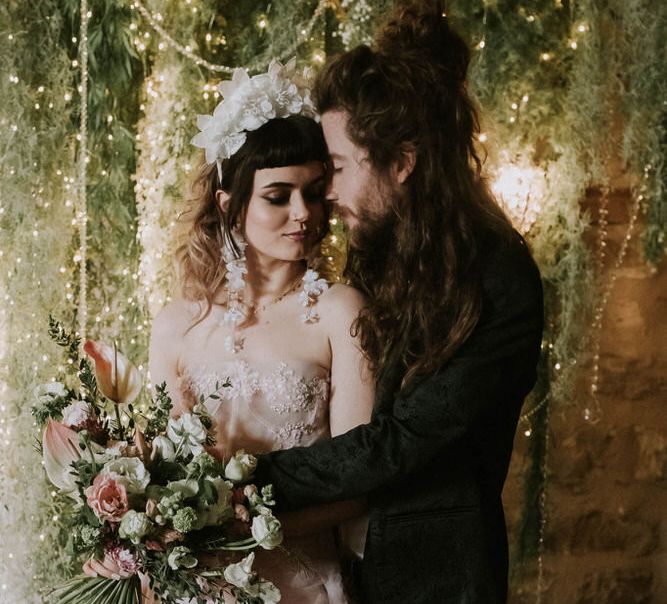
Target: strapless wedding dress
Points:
(274, 405)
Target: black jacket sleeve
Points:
(494, 369)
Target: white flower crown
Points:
(248, 103)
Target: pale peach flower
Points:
(117, 378)
(60, 448)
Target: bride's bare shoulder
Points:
(175, 317)
(340, 303)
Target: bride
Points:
(254, 310)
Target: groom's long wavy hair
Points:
(420, 263)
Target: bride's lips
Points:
(297, 235)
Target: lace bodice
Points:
(269, 405)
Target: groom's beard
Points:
(372, 246)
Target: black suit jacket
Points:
(433, 462)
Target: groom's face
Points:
(354, 189)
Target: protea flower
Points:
(117, 377)
(60, 448)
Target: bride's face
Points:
(286, 211)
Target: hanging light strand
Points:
(187, 52)
(82, 210)
(592, 412)
(542, 502)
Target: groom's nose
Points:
(331, 195)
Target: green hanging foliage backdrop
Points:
(564, 86)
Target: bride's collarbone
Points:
(276, 332)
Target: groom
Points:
(452, 326)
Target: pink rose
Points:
(107, 498)
(241, 512)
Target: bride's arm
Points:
(167, 332)
(352, 384)
(351, 402)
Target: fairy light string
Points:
(154, 20)
(592, 412)
(82, 210)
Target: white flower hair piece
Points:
(249, 103)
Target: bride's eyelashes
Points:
(314, 196)
(279, 200)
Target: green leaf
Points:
(207, 491)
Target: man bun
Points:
(420, 29)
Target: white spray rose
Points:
(266, 530)
(50, 390)
(130, 472)
(187, 433)
(241, 466)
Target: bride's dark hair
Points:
(423, 279)
(290, 141)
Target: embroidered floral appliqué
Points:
(287, 392)
(289, 406)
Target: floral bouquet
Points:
(143, 497)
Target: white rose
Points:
(187, 433)
(50, 390)
(241, 573)
(266, 530)
(134, 526)
(241, 466)
(163, 448)
(76, 413)
(129, 471)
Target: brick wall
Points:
(606, 537)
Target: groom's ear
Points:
(405, 163)
(223, 198)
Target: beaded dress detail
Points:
(274, 405)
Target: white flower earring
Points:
(237, 311)
(313, 288)
(235, 267)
